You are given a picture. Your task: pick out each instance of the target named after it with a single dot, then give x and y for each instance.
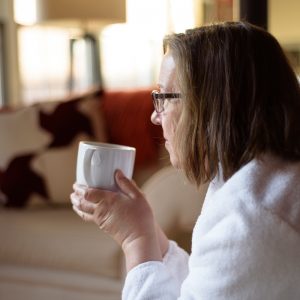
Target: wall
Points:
(11, 71)
(284, 20)
(1, 9)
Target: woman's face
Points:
(169, 117)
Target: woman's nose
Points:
(155, 118)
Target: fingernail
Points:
(120, 174)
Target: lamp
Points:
(89, 15)
(101, 11)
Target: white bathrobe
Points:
(245, 245)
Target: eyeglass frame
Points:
(159, 98)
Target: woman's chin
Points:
(173, 158)
(174, 162)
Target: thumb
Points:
(126, 185)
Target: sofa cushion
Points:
(57, 239)
(17, 282)
(39, 148)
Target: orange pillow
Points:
(127, 117)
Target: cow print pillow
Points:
(39, 148)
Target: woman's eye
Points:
(168, 101)
(172, 100)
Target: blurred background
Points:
(49, 49)
(73, 70)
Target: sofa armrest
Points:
(175, 202)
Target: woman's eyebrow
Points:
(160, 86)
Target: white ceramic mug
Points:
(97, 163)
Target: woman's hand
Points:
(126, 216)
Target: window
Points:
(44, 63)
(130, 53)
(44, 58)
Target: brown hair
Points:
(240, 99)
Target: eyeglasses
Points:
(159, 99)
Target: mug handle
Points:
(87, 166)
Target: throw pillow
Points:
(131, 112)
(39, 148)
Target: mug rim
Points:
(97, 145)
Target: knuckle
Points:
(101, 210)
(91, 194)
(87, 194)
(101, 220)
(101, 213)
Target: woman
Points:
(229, 106)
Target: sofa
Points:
(46, 250)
